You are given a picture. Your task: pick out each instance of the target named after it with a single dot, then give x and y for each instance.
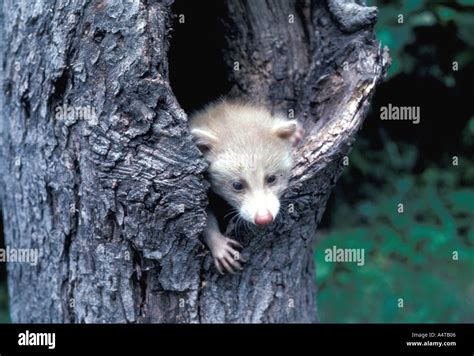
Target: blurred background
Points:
(407, 255)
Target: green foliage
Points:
(408, 255)
(442, 17)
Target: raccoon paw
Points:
(227, 256)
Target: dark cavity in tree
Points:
(197, 71)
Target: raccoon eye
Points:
(238, 186)
(271, 179)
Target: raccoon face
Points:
(253, 174)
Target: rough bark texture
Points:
(320, 62)
(116, 208)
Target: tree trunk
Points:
(116, 205)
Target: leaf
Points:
(462, 201)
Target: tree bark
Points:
(116, 207)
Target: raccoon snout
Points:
(263, 218)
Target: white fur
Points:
(248, 144)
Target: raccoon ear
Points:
(289, 130)
(205, 140)
(285, 129)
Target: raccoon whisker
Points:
(247, 226)
(238, 225)
(233, 212)
(284, 206)
(278, 218)
(285, 202)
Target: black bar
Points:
(318, 339)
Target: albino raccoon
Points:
(249, 153)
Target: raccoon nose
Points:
(263, 218)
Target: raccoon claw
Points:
(226, 257)
(224, 264)
(234, 243)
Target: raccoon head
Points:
(250, 170)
